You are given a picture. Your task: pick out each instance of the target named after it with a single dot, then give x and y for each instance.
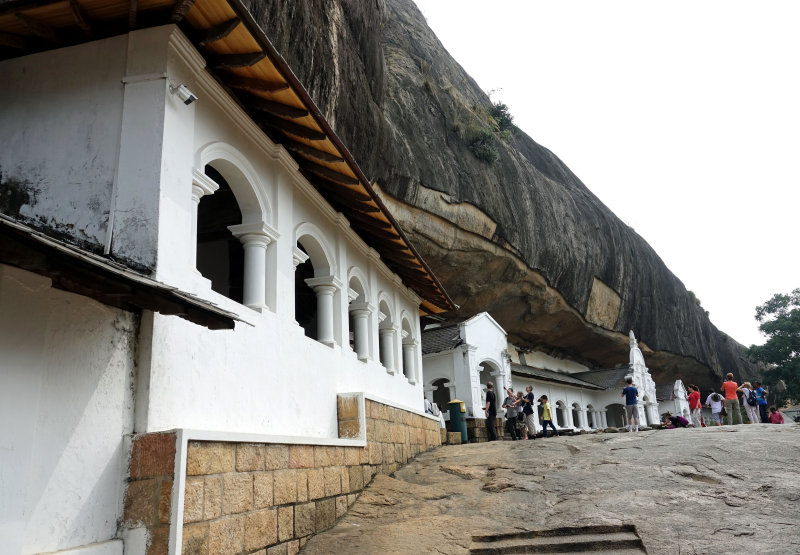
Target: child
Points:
(546, 417)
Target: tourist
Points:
(527, 410)
(775, 417)
(428, 406)
(731, 400)
(714, 400)
(752, 410)
(510, 404)
(695, 405)
(761, 397)
(490, 410)
(547, 419)
(672, 422)
(631, 395)
(521, 431)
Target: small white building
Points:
(172, 165)
(458, 360)
(675, 399)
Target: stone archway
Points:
(591, 417)
(561, 417)
(577, 420)
(615, 415)
(441, 393)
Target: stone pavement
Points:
(732, 489)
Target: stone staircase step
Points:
(590, 539)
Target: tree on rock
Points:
(779, 320)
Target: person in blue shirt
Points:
(761, 397)
(631, 395)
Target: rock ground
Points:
(732, 489)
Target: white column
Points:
(409, 356)
(201, 185)
(324, 287)
(361, 312)
(387, 348)
(604, 419)
(255, 238)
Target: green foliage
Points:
(694, 298)
(481, 142)
(779, 320)
(503, 119)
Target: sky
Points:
(683, 117)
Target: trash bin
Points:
(458, 423)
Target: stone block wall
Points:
(148, 498)
(267, 498)
(476, 429)
(248, 497)
(271, 498)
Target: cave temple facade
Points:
(460, 359)
(198, 287)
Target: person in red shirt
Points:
(731, 401)
(775, 417)
(694, 405)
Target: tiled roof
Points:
(551, 376)
(664, 391)
(607, 379)
(440, 339)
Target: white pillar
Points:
(324, 287)
(255, 238)
(604, 419)
(387, 348)
(201, 185)
(409, 356)
(361, 312)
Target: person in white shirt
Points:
(715, 401)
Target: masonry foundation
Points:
(242, 497)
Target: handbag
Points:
(723, 412)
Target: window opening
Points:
(305, 299)
(220, 255)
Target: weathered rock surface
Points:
(733, 489)
(522, 238)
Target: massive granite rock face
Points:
(521, 237)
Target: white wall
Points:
(65, 403)
(265, 376)
(66, 103)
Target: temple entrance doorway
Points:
(615, 415)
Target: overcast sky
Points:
(683, 117)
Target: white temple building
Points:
(458, 360)
(189, 255)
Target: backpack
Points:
(751, 398)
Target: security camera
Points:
(183, 93)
